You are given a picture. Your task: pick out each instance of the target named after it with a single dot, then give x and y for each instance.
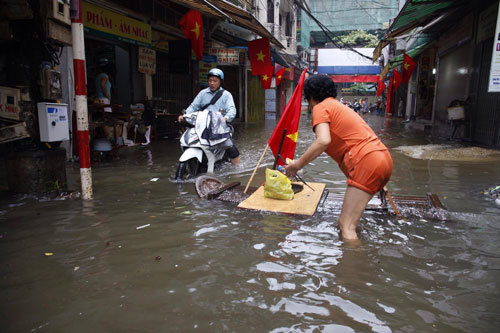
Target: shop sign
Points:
(205, 65)
(147, 61)
(270, 101)
(494, 80)
(225, 56)
(103, 22)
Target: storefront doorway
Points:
(99, 53)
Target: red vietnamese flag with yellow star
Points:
(192, 27)
(397, 78)
(408, 66)
(259, 52)
(266, 79)
(279, 76)
(289, 120)
(380, 87)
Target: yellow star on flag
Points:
(293, 136)
(196, 30)
(406, 65)
(279, 77)
(265, 77)
(260, 56)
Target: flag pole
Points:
(279, 149)
(256, 167)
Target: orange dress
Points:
(360, 154)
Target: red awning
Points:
(354, 78)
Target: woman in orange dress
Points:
(347, 138)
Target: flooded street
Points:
(150, 256)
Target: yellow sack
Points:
(277, 186)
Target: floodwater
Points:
(150, 256)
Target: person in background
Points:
(348, 140)
(378, 106)
(148, 117)
(103, 83)
(224, 104)
(366, 106)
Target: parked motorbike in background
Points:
(201, 154)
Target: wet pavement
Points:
(149, 255)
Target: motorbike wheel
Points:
(187, 169)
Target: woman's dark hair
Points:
(319, 87)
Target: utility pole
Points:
(82, 119)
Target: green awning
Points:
(420, 45)
(416, 12)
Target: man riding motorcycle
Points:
(225, 104)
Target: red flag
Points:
(396, 78)
(408, 66)
(260, 55)
(389, 99)
(289, 120)
(279, 76)
(192, 27)
(380, 87)
(266, 79)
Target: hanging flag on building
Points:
(380, 87)
(266, 79)
(397, 79)
(290, 121)
(192, 27)
(279, 75)
(408, 66)
(259, 52)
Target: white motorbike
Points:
(203, 144)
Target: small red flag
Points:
(192, 27)
(380, 87)
(266, 79)
(279, 76)
(259, 52)
(408, 66)
(289, 120)
(396, 78)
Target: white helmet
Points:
(216, 72)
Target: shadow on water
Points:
(148, 254)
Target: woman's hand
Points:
(291, 169)
(319, 145)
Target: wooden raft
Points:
(304, 202)
(212, 188)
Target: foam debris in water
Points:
(449, 152)
(154, 179)
(259, 246)
(143, 226)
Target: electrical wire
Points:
(366, 11)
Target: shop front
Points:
(116, 79)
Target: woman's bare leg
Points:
(355, 201)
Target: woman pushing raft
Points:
(348, 139)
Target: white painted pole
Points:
(82, 123)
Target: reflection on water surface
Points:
(205, 265)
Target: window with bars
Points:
(270, 11)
